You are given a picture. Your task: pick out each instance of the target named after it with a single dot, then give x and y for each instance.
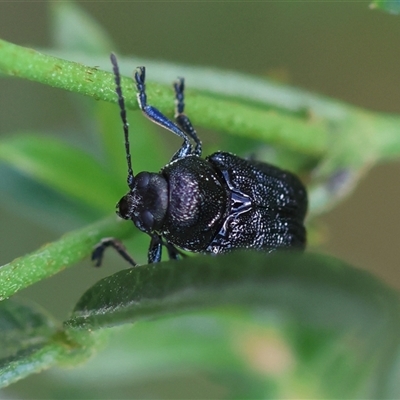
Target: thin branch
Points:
(55, 256)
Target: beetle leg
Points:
(181, 118)
(173, 252)
(155, 250)
(157, 117)
(98, 251)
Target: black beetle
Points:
(212, 205)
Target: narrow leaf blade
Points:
(25, 333)
(64, 168)
(327, 303)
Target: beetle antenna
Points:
(121, 103)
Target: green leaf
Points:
(31, 341)
(38, 202)
(25, 334)
(239, 278)
(390, 6)
(23, 327)
(343, 324)
(74, 29)
(64, 168)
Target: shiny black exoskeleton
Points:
(212, 205)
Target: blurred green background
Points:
(342, 50)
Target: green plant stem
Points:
(310, 124)
(55, 256)
(302, 134)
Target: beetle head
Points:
(146, 203)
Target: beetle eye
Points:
(147, 219)
(142, 180)
(123, 208)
